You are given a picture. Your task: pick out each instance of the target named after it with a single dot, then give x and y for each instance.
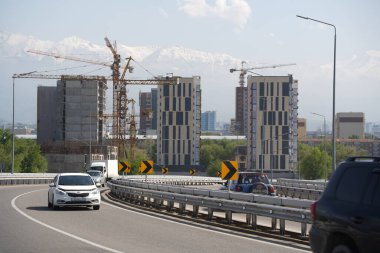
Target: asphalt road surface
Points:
(28, 225)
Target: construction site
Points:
(74, 128)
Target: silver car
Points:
(98, 176)
(74, 189)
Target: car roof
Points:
(73, 174)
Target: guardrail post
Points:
(170, 205)
(182, 208)
(195, 210)
(274, 223)
(210, 213)
(248, 218)
(254, 221)
(303, 229)
(229, 217)
(282, 226)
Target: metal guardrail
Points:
(304, 189)
(26, 178)
(308, 184)
(174, 180)
(157, 195)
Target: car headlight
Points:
(59, 192)
(94, 192)
(97, 180)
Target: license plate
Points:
(79, 199)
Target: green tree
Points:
(27, 154)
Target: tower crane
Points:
(120, 100)
(244, 71)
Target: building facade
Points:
(148, 112)
(179, 122)
(302, 128)
(349, 124)
(80, 107)
(272, 123)
(208, 121)
(46, 114)
(241, 111)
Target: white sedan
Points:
(74, 189)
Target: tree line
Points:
(27, 155)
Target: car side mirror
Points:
(98, 185)
(51, 185)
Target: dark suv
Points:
(346, 219)
(252, 182)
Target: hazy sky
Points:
(260, 32)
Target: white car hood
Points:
(77, 187)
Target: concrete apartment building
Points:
(349, 124)
(208, 121)
(70, 123)
(272, 123)
(179, 123)
(241, 110)
(148, 112)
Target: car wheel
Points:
(54, 206)
(342, 248)
(97, 207)
(49, 204)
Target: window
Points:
(167, 104)
(276, 103)
(174, 132)
(348, 188)
(285, 118)
(285, 147)
(187, 159)
(188, 132)
(261, 89)
(271, 89)
(174, 103)
(187, 104)
(170, 118)
(179, 118)
(166, 90)
(186, 118)
(190, 87)
(285, 89)
(163, 118)
(280, 118)
(179, 90)
(283, 104)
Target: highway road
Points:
(28, 225)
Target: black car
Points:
(346, 219)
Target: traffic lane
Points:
(18, 234)
(126, 230)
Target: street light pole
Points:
(324, 141)
(13, 128)
(333, 109)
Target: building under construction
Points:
(70, 121)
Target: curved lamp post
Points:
(333, 113)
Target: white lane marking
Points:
(56, 229)
(205, 229)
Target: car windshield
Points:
(252, 178)
(75, 180)
(94, 173)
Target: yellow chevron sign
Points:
(146, 167)
(192, 172)
(165, 171)
(229, 170)
(124, 167)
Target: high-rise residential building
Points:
(179, 122)
(148, 112)
(302, 128)
(349, 124)
(72, 111)
(208, 121)
(241, 110)
(272, 123)
(80, 107)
